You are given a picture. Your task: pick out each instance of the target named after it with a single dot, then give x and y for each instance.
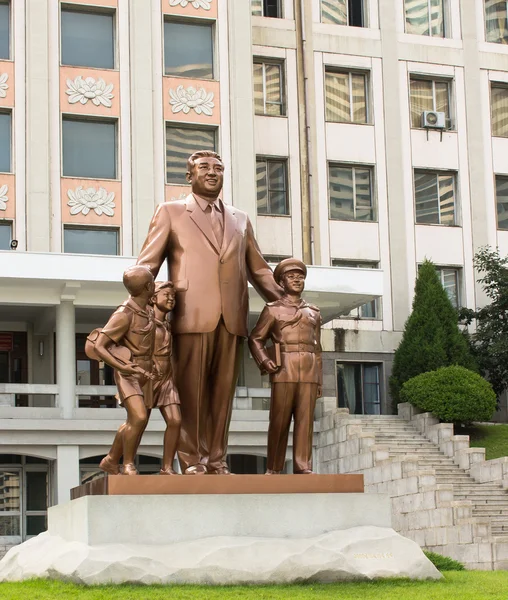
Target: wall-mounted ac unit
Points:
(432, 119)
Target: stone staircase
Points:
(490, 501)
(445, 495)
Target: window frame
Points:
(364, 5)
(485, 25)
(95, 227)
(373, 197)
(438, 173)
(92, 119)
(285, 162)
(260, 60)
(496, 179)
(446, 21)
(9, 113)
(90, 9)
(331, 69)
(362, 365)
(191, 126)
(280, 10)
(450, 125)
(212, 24)
(502, 86)
(8, 224)
(9, 57)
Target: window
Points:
(274, 259)
(425, 17)
(359, 387)
(435, 198)
(496, 21)
(450, 279)
(346, 97)
(5, 142)
(370, 310)
(502, 202)
(5, 235)
(343, 12)
(89, 148)
(350, 192)
(181, 142)
(89, 240)
(268, 89)
(188, 50)
(271, 184)
(267, 8)
(87, 39)
(428, 94)
(499, 110)
(5, 34)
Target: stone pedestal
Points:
(219, 538)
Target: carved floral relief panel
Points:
(191, 100)
(90, 202)
(7, 196)
(89, 91)
(6, 83)
(192, 8)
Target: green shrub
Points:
(432, 338)
(453, 394)
(443, 563)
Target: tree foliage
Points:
(489, 343)
(431, 336)
(453, 394)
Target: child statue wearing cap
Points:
(294, 364)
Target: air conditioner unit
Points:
(433, 120)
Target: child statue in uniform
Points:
(294, 364)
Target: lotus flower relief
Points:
(195, 3)
(3, 197)
(185, 100)
(3, 85)
(82, 90)
(83, 201)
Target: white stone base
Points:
(219, 539)
(360, 553)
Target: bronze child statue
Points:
(294, 364)
(126, 343)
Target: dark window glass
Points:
(5, 235)
(502, 202)
(5, 142)
(350, 192)
(496, 21)
(359, 388)
(435, 198)
(5, 26)
(36, 490)
(36, 524)
(181, 142)
(266, 8)
(9, 526)
(188, 50)
(89, 149)
(90, 241)
(346, 97)
(499, 110)
(87, 39)
(271, 182)
(10, 491)
(6, 459)
(342, 12)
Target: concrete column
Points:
(66, 357)
(38, 208)
(241, 93)
(67, 472)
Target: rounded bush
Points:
(453, 394)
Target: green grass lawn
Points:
(494, 438)
(466, 585)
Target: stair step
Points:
(491, 510)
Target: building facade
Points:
(361, 136)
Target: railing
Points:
(46, 395)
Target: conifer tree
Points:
(431, 336)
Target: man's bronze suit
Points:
(210, 317)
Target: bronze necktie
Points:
(216, 224)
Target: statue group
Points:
(187, 367)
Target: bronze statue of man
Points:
(295, 367)
(211, 253)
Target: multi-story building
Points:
(360, 135)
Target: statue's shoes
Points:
(109, 466)
(304, 472)
(220, 471)
(272, 472)
(167, 472)
(129, 469)
(196, 470)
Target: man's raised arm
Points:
(153, 252)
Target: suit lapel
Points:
(229, 226)
(199, 217)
